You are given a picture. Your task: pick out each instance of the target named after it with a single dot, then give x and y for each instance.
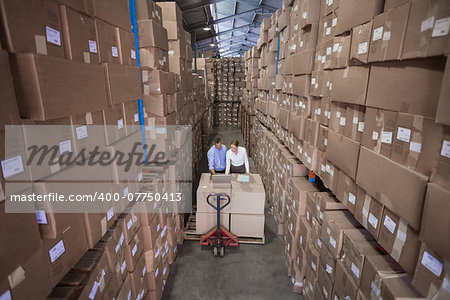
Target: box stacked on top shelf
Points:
(71, 67)
(358, 96)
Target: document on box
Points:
(243, 178)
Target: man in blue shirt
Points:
(217, 157)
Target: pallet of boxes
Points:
(243, 217)
(360, 98)
(70, 68)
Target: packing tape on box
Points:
(400, 240)
(103, 226)
(365, 210)
(41, 44)
(415, 144)
(16, 277)
(442, 292)
(87, 57)
(379, 277)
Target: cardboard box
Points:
(173, 30)
(113, 116)
(206, 221)
(127, 48)
(404, 195)
(154, 58)
(359, 52)
(33, 27)
(431, 271)
(79, 35)
(86, 6)
(157, 82)
(302, 62)
(247, 198)
(134, 250)
(328, 263)
(65, 250)
(350, 84)
(340, 55)
(358, 245)
(427, 31)
(131, 114)
(159, 104)
(108, 42)
(42, 85)
(298, 188)
(339, 145)
(313, 257)
(378, 269)
(324, 283)
(443, 109)
(246, 225)
(114, 12)
(310, 12)
(138, 278)
(354, 12)
(434, 222)
(338, 117)
(347, 192)
(122, 83)
(171, 12)
(33, 285)
(399, 240)
(390, 4)
(344, 285)
(335, 223)
(368, 212)
(440, 171)
(388, 34)
(378, 130)
(148, 10)
(151, 34)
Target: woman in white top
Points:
(237, 159)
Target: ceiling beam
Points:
(240, 28)
(208, 2)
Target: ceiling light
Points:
(206, 28)
(212, 45)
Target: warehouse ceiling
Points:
(228, 27)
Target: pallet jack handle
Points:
(219, 197)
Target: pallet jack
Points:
(218, 237)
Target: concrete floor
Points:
(246, 272)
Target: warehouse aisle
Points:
(249, 272)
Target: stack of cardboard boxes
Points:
(72, 64)
(227, 84)
(359, 96)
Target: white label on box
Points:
(41, 217)
(332, 242)
(325, 24)
(301, 44)
(125, 191)
(441, 27)
(342, 121)
(307, 215)
(325, 292)
(13, 166)
(322, 168)
(432, 264)
(164, 271)
(330, 2)
(445, 284)
(114, 51)
(415, 147)
(81, 132)
(445, 151)
(313, 265)
(377, 33)
(427, 24)
(333, 22)
(325, 142)
(94, 290)
(309, 159)
(362, 48)
(335, 47)
(386, 137)
(133, 252)
(319, 243)
(92, 46)
(296, 27)
(133, 54)
(339, 51)
(124, 265)
(156, 272)
(140, 176)
(403, 134)
(65, 146)
(313, 80)
(53, 36)
(373, 221)
(389, 224)
(328, 50)
(318, 111)
(328, 268)
(136, 118)
(328, 168)
(6, 295)
(130, 223)
(301, 240)
(355, 120)
(120, 123)
(351, 198)
(387, 36)
(304, 15)
(361, 126)
(338, 114)
(109, 214)
(374, 135)
(56, 251)
(144, 271)
(355, 270)
(328, 31)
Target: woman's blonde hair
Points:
(235, 142)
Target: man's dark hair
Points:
(217, 140)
